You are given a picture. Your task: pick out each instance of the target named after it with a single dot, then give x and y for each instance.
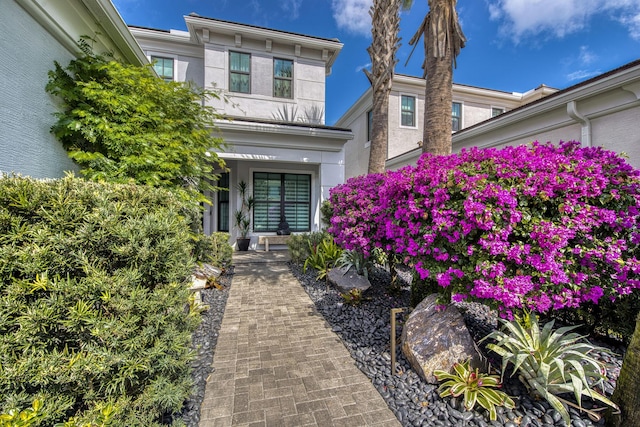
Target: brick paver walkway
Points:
(277, 362)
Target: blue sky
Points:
(512, 45)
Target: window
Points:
(369, 124)
(283, 78)
(408, 111)
(496, 111)
(163, 67)
(456, 116)
(281, 194)
(239, 72)
(223, 203)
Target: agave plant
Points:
(551, 362)
(476, 387)
(356, 260)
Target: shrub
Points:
(94, 307)
(121, 123)
(299, 245)
(213, 249)
(353, 297)
(356, 260)
(538, 227)
(359, 216)
(550, 362)
(323, 257)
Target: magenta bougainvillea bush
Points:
(539, 227)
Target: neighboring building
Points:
(601, 112)
(471, 105)
(35, 33)
(272, 87)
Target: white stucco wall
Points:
(26, 110)
(308, 83)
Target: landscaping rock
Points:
(198, 283)
(206, 271)
(347, 280)
(435, 340)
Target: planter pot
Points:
(243, 244)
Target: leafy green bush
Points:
(121, 123)
(550, 362)
(326, 212)
(610, 319)
(474, 387)
(94, 308)
(299, 245)
(323, 256)
(214, 249)
(353, 297)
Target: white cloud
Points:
(557, 18)
(291, 7)
(352, 15)
(582, 75)
(632, 23)
(586, 57)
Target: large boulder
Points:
(347, 280)
(435, 340)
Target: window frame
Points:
(282, 202)
(458, 117)
(494, 109)
(223, 199)
(280, 78)
(238, 72)
(369, 118)
(153, 56)
(414, 112)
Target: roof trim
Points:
(585, 89)
(332, 46)
(104, 16)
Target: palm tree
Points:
(384, 45)
(627, 393)
(443, 39)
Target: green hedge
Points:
(298, 245)
(213, 249)
(94, 308)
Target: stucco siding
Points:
(619, 132)
(26, 110)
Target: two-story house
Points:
(272, 95)
(471, 105)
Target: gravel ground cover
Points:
(365, 331)
(204, 343)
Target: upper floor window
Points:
(283, 78)
(495, 111)
(456, 116)
(369, 124)
(239, 72)
(408, 111)
(163, 67)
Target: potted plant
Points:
(242, 217)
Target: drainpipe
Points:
(572, 110)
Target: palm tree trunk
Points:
(379, 131)
(385, 25)
(627, 393)
(436, 137)
(443, 39)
